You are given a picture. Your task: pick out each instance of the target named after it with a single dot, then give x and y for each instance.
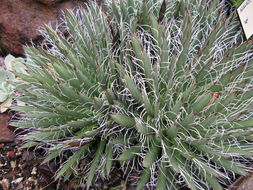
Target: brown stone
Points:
(6, 135)
(21, 19)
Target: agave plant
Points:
(162, 88)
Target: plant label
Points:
(245, 12)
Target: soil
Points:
(20, 170)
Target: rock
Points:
(5, 184)
(18, 180)
(34, 171)
(13, 164)
(21, 19)
(6, 135)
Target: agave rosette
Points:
(163, 88)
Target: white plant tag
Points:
(245, 12)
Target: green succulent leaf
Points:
(95, 163)
(71, 161)
(123, 120)
(130, 153)
(144, 179)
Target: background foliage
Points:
(7, 78)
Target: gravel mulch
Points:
(20, 170)
(15, 171)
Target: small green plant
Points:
(237, 3)
(163, 88)
(7, 89)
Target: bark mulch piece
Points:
(243, 182)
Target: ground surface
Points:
(15, 169)
(20, 170)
